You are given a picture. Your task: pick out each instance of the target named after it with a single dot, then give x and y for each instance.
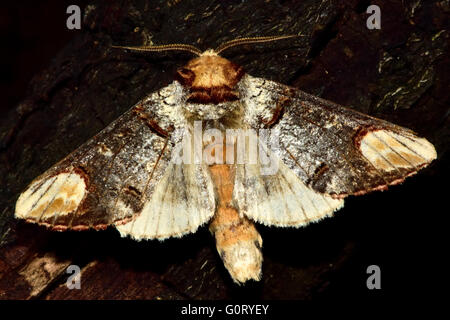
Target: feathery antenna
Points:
(196, 51)
(165, 47)
(241, 41)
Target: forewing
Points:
(332, 149)
(108, 179)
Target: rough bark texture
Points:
(398, 73)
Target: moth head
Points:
(209, 77)
(209, 70)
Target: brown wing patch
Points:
(145, 116)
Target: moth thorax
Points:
(210, 79)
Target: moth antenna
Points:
(241, 41)
(164, 47)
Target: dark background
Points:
(60, 87)
(31, 32)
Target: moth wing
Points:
(181, 202)
(107, 179)
(279, 198)
(332, 149)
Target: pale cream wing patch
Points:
(182, 201)
(389, 151)
(60, 194)
(280, 199)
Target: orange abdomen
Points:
(237, 240)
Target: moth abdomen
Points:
(239, 246)
(237, 240)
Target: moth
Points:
(127, 177)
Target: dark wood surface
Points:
(398, 73)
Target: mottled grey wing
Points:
(333, 149)
(109, 178)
